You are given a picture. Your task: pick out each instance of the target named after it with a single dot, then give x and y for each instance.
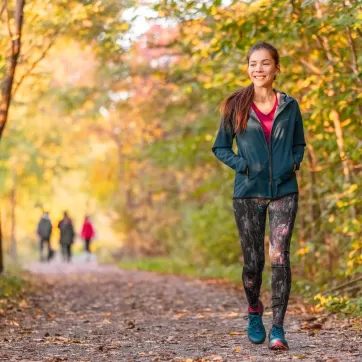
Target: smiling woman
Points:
(268, 128)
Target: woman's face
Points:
(262, 68)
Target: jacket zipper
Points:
(278, 111)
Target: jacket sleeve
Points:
(222, 149)
(50, 228)
(298, 139)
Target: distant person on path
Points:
(87, 234)
(268, 128)
(66, 236)
(44, 231)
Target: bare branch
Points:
(312, 67)
(8, 21)
(35, 63)
(342, 286)
(3, 7)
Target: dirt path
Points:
(84, 312)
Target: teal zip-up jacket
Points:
(262, 169)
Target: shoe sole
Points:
(259, 342)
(278, 346)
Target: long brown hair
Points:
(236, 107)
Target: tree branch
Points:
(3, 7)
(8, 21)
(343, 285)
(312, 67)
(35, 63)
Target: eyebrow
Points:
(254, 61)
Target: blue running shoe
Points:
(277, 338)
(256, 329)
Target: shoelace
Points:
(278, 332)
(255, 321)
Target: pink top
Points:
(266, 120)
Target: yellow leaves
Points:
(97, 6)
(324, 301)
(158, 132)
(346, 122)
(352, 188)
(303, 251)
(127, 149)
(123, 27)
(47, 175)
(87, 23)
(78, 11)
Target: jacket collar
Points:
(283, 98)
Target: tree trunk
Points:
(7, 84)
(334, 115)
(1, 247)
(11, 64)
(13, 249)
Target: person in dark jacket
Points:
(66, 236)
(44, 231)
(268, 128)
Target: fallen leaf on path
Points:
(130, 324)
(236, 333)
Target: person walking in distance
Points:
(87, 234)
(268, 128)
(44, 231)
(66, 236)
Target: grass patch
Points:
(12, 284)
(168, 265)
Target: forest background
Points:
(114, 113)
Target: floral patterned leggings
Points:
(250, 216)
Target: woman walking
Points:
(268, 129)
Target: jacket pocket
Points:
(258, 169)
(286, 170)
(245, 156)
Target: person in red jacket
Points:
(87, 233)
